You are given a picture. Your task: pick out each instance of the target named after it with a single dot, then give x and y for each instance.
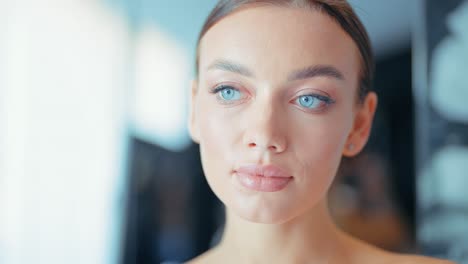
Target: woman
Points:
(282, 93)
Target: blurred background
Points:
(96, 165)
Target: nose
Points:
(265, 130)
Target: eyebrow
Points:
(230, 66)
(304, 73)
(316, 71)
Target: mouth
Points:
(263, 178)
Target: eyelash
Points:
(221, 88)
(324, 99)
(327, 101)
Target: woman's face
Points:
(277, 86)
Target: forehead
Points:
(274, 40)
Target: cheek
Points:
(317, 148)
(320, 141)
(216, 132)
(217, 143)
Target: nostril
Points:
(252, 145)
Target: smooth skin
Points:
(285, 86)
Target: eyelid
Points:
(315, 92)
(219, 86)
(323, 96)
(312, 91)
(222, 86)
(326, 100)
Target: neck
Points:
(311, 237)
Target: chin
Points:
(262, 212)
(265, 219)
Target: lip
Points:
(263, 178)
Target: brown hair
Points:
(339, 10)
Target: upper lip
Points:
(269, 170)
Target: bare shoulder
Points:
(414, 259)
(366, 253)
(391, 258)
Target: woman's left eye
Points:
(313, 102)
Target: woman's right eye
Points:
(227, 93)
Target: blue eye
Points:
(309, 101)
(228, 93)
(314, 102)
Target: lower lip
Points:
(263, 184)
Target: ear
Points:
(362, 125)
(192, 121)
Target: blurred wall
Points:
(63, 131)
(441, 89)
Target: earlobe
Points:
(350, 150)
(362, 125)
(192, 120)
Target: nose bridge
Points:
(267, 117)
(265, 127)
